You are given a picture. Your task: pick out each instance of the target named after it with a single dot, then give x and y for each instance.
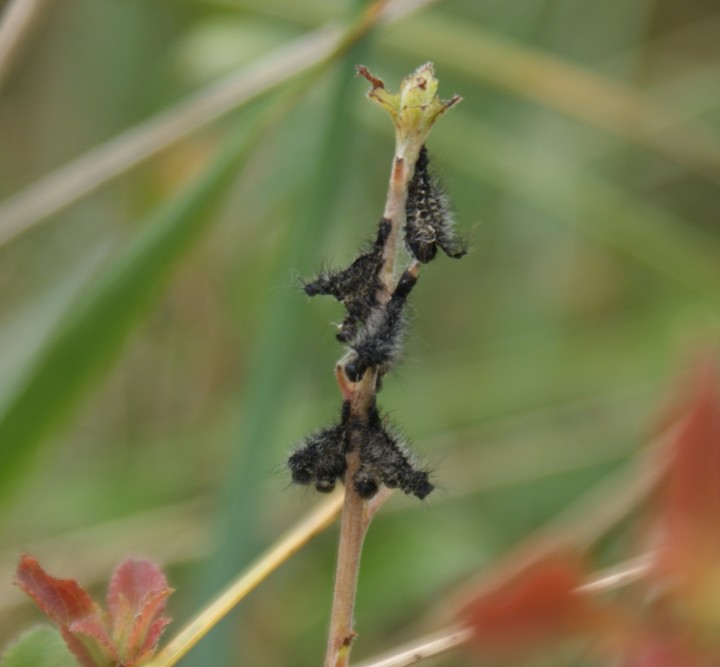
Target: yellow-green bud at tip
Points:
(414, 109)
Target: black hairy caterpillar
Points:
(386, 460)
(374, 329)
(321, 456)
(378, 343)
(383, 458)
(356, 286)
(429, 219)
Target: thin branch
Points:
(314, 524)
(355, 518)
(18, 21)
(89, 171)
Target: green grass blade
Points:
(94, 330)
(598, 208)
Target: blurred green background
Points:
(157, 361)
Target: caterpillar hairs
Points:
(356, 286)
(430, 222)
(373, 330)
(320, 458)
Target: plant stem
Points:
(18, 21)
(352, 534)
(356, 517)
(321, 517)
(358, 513)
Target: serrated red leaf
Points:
(89, 640)
(95, 630)
(151, 641)
(148, 624)
(535, 604)
(78, 648)
(136, 599)
(63, 600)
(131, 582)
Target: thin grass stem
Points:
(421, 649)
(86, 173)
(289, 544)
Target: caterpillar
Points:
(430, 222)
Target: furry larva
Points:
(379, 342)
(386, 460)
(321, 456)
(320, 459)
(356, 286)
(430, 220)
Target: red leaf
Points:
(692, 496)
(535, 604)
(63, 600)
(136, 599)
(151, 641)
(688, 560)
(81, 621)
(79, 649)
(89, 641)
(131, 582)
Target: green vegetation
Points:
(157, 360)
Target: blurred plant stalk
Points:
(413, 110)
(17, 23)
(312, 525)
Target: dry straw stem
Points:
(16, 24)
(314, 524)
(423, 648)
(579, 92)
(89, 171)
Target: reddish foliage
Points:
(689, 509)
(63, 600)
(135, 601)
(125, 636)
(677, 620)
(536, 605)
